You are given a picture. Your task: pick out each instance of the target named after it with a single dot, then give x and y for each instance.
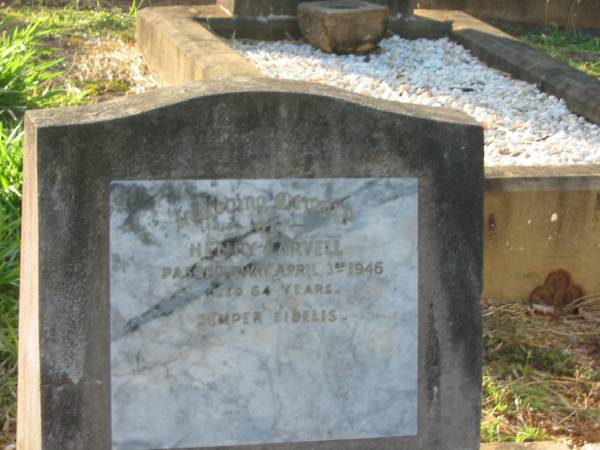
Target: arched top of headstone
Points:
(246, 92)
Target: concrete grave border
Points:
(499, 50)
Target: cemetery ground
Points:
(541, 373)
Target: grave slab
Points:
(178, 50)
(254, 264)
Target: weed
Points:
(491, 431)
(68, 23)
(531, 434)
(540, 377)
(505, 414)
(11, 169)
(10, 196)
(25, 70)
(579, 50)
(513, 354)
(135, 7)
(11, 178)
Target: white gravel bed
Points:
(523, 126)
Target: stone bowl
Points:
(343, 26)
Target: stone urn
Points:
(343, 26)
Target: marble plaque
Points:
(262, 311)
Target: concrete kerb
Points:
(536, 220)
(520, 203)
(179, 50)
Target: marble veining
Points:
(262, 311)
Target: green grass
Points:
(507, 412)
(69, 29)
(523, 360)
(33, 45)
(579, 50)
(73, 24)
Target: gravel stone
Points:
(523, 126)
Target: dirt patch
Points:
(105, 68)
(541, 374)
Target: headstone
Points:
(343, 26)
(266, 8)
(251, 262)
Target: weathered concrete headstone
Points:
(248, 263)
